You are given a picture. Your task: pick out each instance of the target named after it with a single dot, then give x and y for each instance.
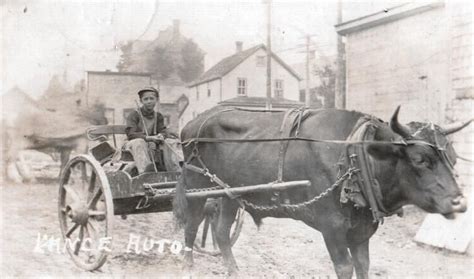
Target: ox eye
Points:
(422, 161)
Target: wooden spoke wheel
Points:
(211, 216)
(85, 212)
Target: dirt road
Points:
(281, 248)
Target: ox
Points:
(50, 132)
(411, 163)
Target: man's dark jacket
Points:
(135, 128)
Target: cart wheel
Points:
(211, 212)
(85, 212)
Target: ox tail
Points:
(180, 203)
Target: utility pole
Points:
(268, 104)
(307, 93)
(340, 97)
(308, 51)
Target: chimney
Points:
(238, 46)
(175, 28)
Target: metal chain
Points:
(153, 192)
(297, 206)
(195, 190)
(347, 175)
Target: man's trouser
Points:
(140, 149)
(141, 153)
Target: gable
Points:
(229, 63)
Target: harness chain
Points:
(243, 202)
(283, 146)
(297, 206)
(151, 191)
(367, 177)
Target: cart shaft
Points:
(249, 189)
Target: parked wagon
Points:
(94, 187)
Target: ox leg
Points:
(360, 257)
(337, 247)
(195, 211)
(226, 219)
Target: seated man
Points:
(144, 144)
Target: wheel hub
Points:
(78, 212)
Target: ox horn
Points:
(397, 127)
(455, 127)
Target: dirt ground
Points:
(280, 248)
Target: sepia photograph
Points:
(237, 139)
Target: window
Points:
(241, 87)
(208, 92)
(278, 93)
(261, 61)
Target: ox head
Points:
(424, 166)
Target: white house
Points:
(240, 80)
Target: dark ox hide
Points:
(408, 174)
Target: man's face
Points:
(148, 100)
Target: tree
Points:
(125, 57)
(192, 61)
(161, 63)
(55, 87)
(178, 61)
(327, 88)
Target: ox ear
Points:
(385, 151)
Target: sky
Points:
(43, 38)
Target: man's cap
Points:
(148, 89)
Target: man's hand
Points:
(158, 137)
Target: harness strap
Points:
(291, 121)
(285, 130)
(369, 186)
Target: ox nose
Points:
(459, 204)
(457, 200)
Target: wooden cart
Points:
(93, 188)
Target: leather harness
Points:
(360, 186)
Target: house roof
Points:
(231, 62)
(15, 97)
(142, 52)
(14, 103)
(385, 16)
(261, 102)
(144, 74)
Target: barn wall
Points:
(461, 99)
(399, 63)
(464, 140)
(423, 62)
